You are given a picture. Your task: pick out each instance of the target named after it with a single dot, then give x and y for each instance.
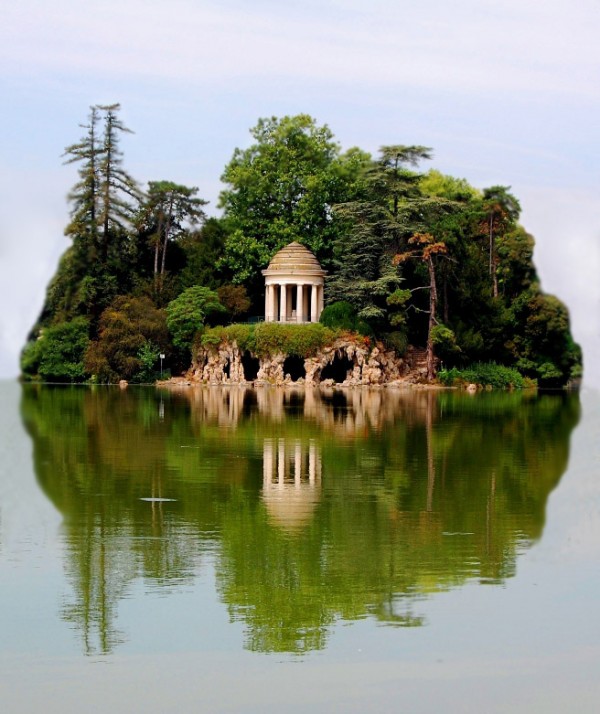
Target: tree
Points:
(187, 313)
(167, 211)
(117, 188)
(375, 230)
(102, 197)
(234, 299)
(57, 354)
(502, 211)
(124, 328)
(426, 248)
(282, 189)
(83, 227)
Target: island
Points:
(325, 267)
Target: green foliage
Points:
(125, 327)
(188, 312)
(435, 183)
(270, 338)
(57, 354)
(234, 299)
(485, 374)
(445, 340)
(397, 340)
(339, 315)
(148, 356)
(281, 189)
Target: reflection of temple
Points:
(291, 480)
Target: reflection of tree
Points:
(318, 506)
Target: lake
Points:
(238, 550)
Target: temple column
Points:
(283, 304)
(321, 301)
(299, 302)
(268, 302)
(313, 304)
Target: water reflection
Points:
(314, 506)
(292, 481)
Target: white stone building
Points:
(294, 284)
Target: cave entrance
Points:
(337, 369)
(227, 368)
(294, 366)
(251, 365)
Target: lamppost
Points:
(161, 355)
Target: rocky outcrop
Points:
(347, 362)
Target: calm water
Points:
(248, 551)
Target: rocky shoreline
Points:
(343, 363)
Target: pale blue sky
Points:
(506, 92)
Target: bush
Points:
(149, 357)
(125, 327)
(268, 338)
(188, 312)
(339, 316)
(57, 355)
(486, 374)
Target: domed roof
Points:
(294, 259)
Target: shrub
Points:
(339, 315)
(57, 355)
(486, 374)
(268, 338)
(125, 327)
(188, 312)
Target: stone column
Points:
(268, 303)
(283, 304)
(314, 317)
(299, 302)
(321, 300)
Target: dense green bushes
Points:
(268, 338)
(57, 355)
(486, 374)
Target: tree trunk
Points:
(492, 260)
(167, 231)
(433, 298)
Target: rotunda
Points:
(294, 284)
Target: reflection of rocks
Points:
(291, 481)
(347, 361)
(345, 412)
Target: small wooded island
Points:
(325, 265)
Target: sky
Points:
(505, 91)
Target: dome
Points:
(294, 259)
